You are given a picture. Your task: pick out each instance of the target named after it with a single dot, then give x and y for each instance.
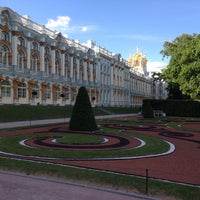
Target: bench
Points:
(159, 113)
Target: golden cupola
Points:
(138, 62)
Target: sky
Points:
(119, 26)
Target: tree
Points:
(184, 65)
(82, 118)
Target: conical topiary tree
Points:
(82, 118)
(147, 110)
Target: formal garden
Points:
(156, 155)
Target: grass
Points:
(80, 139)
(11, 144)
(105, 179)
(27, 112)
(180, 126)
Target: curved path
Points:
(180, 166)
(23, 187)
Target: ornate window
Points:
(67, 70)
(47, 66)
(34, 62)
(35, 46)
(20, 59)
(57, 93)
(4, 56)
(66, 93)
(22, 90)
(36, 91)
(21, 41)
(47, 92)
(47, 50)
(57, 54)
(57, 68)
(5, 89)
(4, 36)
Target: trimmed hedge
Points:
(82, 118)
(147, 110)
(181, 108)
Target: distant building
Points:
(159, 90)
(38, 65)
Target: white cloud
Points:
(62, 24)
(84, 29)
(156, 66)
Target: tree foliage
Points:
(82, 118)
(184, 65)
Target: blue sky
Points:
(119, 26)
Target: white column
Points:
(53, 60)
(14, 48)
(111, 74)
(28, 55)
(91, 72)
(62, 64)
(98, 72)
(42, 58)
(85, 70)
(78, 68)
(71, 67)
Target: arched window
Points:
(57, 93)
(74, 60)
(35, 91)
(47, 66)
(47, 50)
(57, 54)
(4, 56)
(57, 68)
(4, 36)
(21, 41)
(34, 46)
(67, 70)
(5, 89)
(22, 90)
(20, 59)
(47, 92)
(34, 62)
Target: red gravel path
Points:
(183, 165)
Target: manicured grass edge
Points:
(102, 178)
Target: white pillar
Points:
(28, 54)
(42, 58)
(62, 64)
(91, 71)
(14, 48)
(98, 72)
(78, 68)
(53, 60)
(71, 66)
(85, 70)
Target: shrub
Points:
(147, 110)
(82, 118)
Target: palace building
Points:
(41, 66)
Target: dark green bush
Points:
(82, 118)
(147, 110)
(181, 108)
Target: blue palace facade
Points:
(41, 66)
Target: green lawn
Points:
(11, 144)
(105, 179)
(27, 112)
